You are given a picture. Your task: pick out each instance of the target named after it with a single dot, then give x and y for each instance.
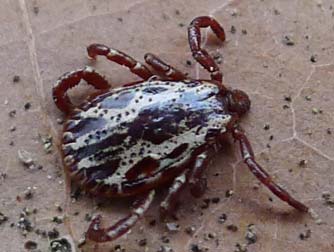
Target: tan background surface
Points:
(40, 40)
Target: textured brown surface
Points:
(40, 40)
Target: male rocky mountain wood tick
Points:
(132, 140)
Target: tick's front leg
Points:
(120, 58)
(200, 54)
(163, 68)
(98, 234)
(70, 80)
(261, 174)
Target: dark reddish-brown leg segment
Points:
(98, 234)
(261, 174)
(169, 204)
(71, 79)
(163, 68)
(196, 181)
(201, 55)
(120, 58)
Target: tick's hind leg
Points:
(98, 234)
(192, 176)
(163, 68)
(120, 58)
(200, 54)
(70, 80)
(196, 180)
(169, 204)
(261, 174)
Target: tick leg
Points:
(261, 174)
(120, 58)
(196, 181)
(98, 234)
(201, 55)
(71, 79)
(168, 205)
(163, 68)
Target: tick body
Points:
(133, 138)
(161, 131)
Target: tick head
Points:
(238, 101)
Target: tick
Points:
(160, 131)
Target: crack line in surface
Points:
(294, 134)
(33, 58)
(314, 149)
(31, 42)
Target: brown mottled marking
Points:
(145, 166)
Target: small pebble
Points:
(63, 244)
(173, 227)
(222, 218)
(251, 236)
(190, 230)
(165, 248)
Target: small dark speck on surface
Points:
(313, 59)
(305, 235)
(287, 98)
(16, 78)
(240, 247)
(190, 230)
(276, 12)
(329, 200)
(222, 218)
(27, 105)
(218, 58)
(233, 29)
(266, 126)
(195, 248)
(229, 193)
(36, 10)
(53, 234)
(12, 113)
(288, 41)
(232, 228)
(302, 163)
(30, 245)
(142, 242)
(3, 218)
